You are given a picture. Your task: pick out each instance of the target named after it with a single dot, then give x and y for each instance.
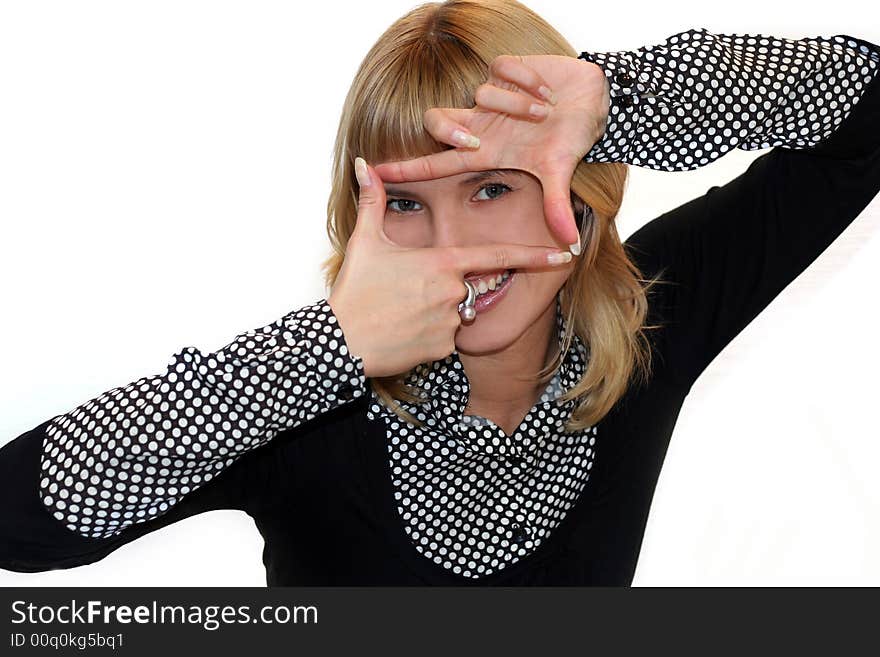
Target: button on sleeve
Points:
(625, 84)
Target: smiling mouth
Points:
(489, 281)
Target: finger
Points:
(515, 103)
(371, 199)
(492, 257)
(513, 69)
(428, 167)
(557, 209)
(446, 125)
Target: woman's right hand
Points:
(398, 306)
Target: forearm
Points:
(686, 102)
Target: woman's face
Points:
(483, 208)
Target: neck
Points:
(497, 380)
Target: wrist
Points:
(349, 334)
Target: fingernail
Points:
(537, 110)
(559, 258)
(548, 95)
(360, 171)
(576, 247)
(465, 139)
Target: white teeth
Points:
(492, 284)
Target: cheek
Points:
(502, 232)
(406, 233)
(561, 276)
(528, 224)
(542, 284)
(546, 282)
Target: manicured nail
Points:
(576, 247)
(465, 139)
(360, 171)
(559, 258)
(538, 111)
(548, 95)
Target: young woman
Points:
(460, 409)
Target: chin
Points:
(494, 330)
(485, 337)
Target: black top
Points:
(281, 423)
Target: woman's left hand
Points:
(548, 147)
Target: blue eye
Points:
(399, 200)
(502, 186)
(497, 185)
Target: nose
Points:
(453, 229)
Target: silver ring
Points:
(466, 308)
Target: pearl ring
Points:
(466, 308)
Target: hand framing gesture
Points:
(548, 145)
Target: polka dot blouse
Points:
(134, 451)
(470, 499)
(688, 101)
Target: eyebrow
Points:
(478, 177)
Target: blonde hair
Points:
(437, 55)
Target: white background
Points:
(164, 169)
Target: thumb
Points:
(558, 211)
(371, 199)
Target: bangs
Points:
(388, 122)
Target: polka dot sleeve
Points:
(133, 452)
(681, 104)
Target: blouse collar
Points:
(445, 387)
